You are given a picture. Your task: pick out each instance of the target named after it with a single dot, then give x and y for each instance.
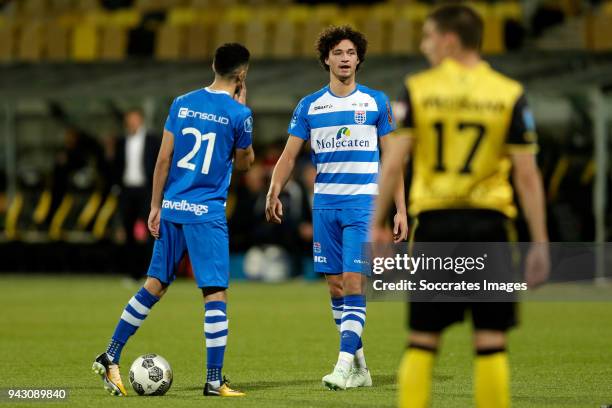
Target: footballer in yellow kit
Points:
(468, 129)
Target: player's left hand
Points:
(153, 222)
(400, 227)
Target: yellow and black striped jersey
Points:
(465, 122)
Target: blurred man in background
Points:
(346, 123)
(134, 163)
(467, 127)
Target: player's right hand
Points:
(153, 222)
(537, 265)
(274, 210)
(240, 95)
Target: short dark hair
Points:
(333, 35)
(461, 20)
(229, 57)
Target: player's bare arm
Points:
(400, 219)
(530, 190)
(280, 176)
(244, 158)
(397, 150)
(162, 166)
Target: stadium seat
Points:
(30, 42)
(168, 43)
(114, 43)
(256, 33)
(7, 41)
(32, 8)
(198, 38)
(85, 42)
(377, 25)
(286, 30)
(126, 18)
(599, 32)
(56, 44)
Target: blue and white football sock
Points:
(337, 306)
(215, 331)
(133, 315)
(351, 328)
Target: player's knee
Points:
(213, 294)
(155, 287)
(334, 283)
(424, 340)
(352, 283)
(489, 340)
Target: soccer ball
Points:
(151, 375)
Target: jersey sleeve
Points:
(299, 124)
(244, 129)
(170, 124)
(521, 132)
(403, 110)
(386, 121)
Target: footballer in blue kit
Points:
(347, 124)
(208, 132)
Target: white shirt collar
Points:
(214, 91)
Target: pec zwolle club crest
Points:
(360, 117)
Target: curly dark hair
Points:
(332, 35)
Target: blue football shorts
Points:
(339, 236)
(207, 244)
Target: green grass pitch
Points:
(282, 341)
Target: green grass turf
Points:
(282, 341)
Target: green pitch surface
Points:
(282, 341)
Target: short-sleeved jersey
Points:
(343, 133)
(207, 126)
(465, 122)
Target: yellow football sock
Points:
(415, 378)
(492, 380)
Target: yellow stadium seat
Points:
(257, 33)
(30, 43)
(85, 42)
(402, 36)
(88, 5)
(358, 14)
(599, 32)
(284, 39)
(32, 8)
(168, 42)
(326, 13)
(114, 43)
(198, 41)
(416, 12)
(377, 25)
(126, 18)
(7, 42)
(96, 18)
(182, 16)
(508, 10)
(56, 45)
(493, 35)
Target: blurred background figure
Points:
(133, 165)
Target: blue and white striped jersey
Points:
(343, 133)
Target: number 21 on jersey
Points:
(185, 162)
